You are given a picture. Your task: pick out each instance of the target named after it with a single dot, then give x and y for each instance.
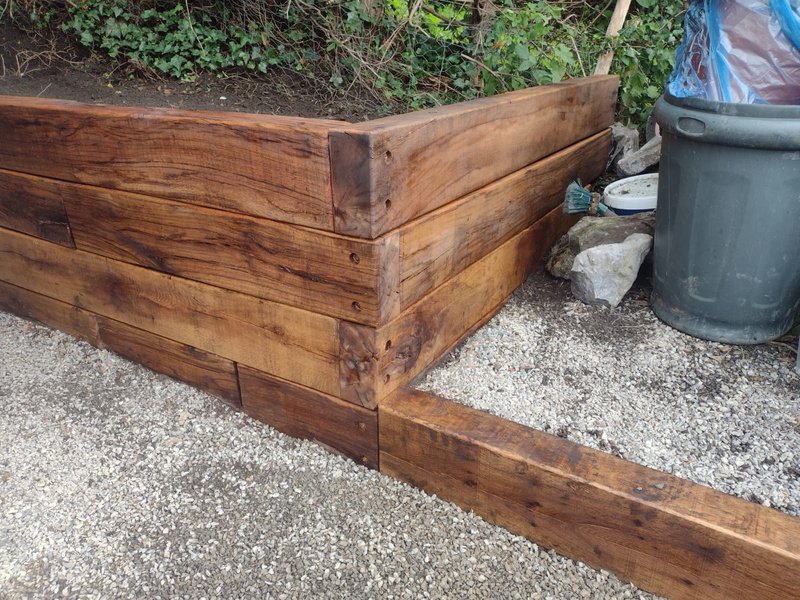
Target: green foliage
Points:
(646, 56)
(410, 54)
(172, 40)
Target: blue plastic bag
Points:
(743, 51)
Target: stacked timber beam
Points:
(306, 270)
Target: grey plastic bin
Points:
(727, 237)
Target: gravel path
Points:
(621, 381)
(117, 482)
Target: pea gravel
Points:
(118, 482)
(621, 381)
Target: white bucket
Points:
(632, 195)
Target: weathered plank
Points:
(301, 412)
(202, 370)
(374, 362)
(664, 534)
(389, 171)
(53, 313)
(279, 339)
(33, 206)
(269, 166)
(443, 243)
(306, 268)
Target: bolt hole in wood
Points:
(356, 306)
(388, 344)
(385, 379)
(388, 204)
(388, 157)
(355, 258)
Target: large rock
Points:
(604, 274)
(641, 160)
(594, 231)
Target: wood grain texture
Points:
(374, 362)
(443, 243)
(33, 206)
(664, 534)
(288, 342)
(302, 267)
(390, 171)
(274, 167)
(301, 412)
(185, 363)
(53, 313)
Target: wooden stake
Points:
(617, 20)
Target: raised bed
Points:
(306, 270)
(341, 258)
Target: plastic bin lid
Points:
(639, 192)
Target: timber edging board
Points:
(664, 534)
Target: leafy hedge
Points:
(410, 53)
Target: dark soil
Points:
(54, 67)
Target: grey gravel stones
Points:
(621, 381)
(117, 482)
